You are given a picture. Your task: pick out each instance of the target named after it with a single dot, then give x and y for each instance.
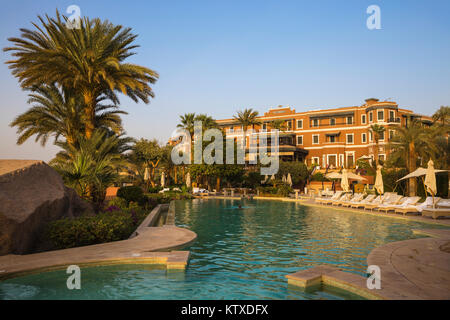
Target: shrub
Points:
(131, 193)
(111, 225)
(283, 190)
(154, 189)
(118, 202)
(319, 176)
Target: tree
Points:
(187, 122)
(57, 112)
(89, 60)
(410, 143)
(91, 165)
(246, 118)
(377, 131)
(278, 125)
(442, 116)
(207, 122)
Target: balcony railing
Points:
(393, 120)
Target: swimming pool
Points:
(240, 253)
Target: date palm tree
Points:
(89, 59)
(377, 131)
(57, 112)
(91, 165)
(411, 143)
(247, 117)
(442, 116)
(278, 125)
(187, 122)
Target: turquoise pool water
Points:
(239, 254)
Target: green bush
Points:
(154, 189)
(319, 176)
(113, 224)
(283, 190)
(131, 193)
(118, 202)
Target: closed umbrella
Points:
(344, 180)
(163, 180)
(188, 180)
(430, 179)
(265, 179)
(146, 175)
(379, 181)
(284, 178)
(272, 177)
(289, 180)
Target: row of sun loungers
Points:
(434, 207)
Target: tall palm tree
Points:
(187, 122)
(207, 121)
(57, 112)
(411, 143)
(89, 59)
(377, 131)
(247, 117)
(278, 125)
(442, 115)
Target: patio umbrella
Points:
(430, 179)
(419, 172)
(284, 178)
(289, 180)
(353, 176)
(344, 180)
(265, 179)
(188, 180)
(272, 177)
(163, 179)
(333, 175)
(379, 186)
(146, 175)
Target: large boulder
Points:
(32, 194)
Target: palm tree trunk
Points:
(376, 153)
(412, 167)
(175, 175)
(89, 113)
(218, 184)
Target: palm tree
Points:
(207, 121)
(246, 118)
(442, 115)
(91, 165)
(278, 125)
(411, 143)
(377, 131)
(89, 60)
(187, 122)
(57, 112)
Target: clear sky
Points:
(218, 57)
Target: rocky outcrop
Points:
(32, 194)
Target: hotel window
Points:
(371, 116)
(332, 139)
(315, 139)
(289, 125)
(349, 138)
(363, 137)
(381, 157)
(381, 136)
(299, 139)
(391, 116)
(264, 126)
(380, 115)
(315, 122)
(299, 124)
(391, 134)
(363, 119)
(349, 120)
(315, 160)
(332, 121)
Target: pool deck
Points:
(149, 246)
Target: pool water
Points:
(240, 253)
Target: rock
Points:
(32, 194)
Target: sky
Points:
(218, 57)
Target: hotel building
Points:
(331, 137)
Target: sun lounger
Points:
(436, 212)
(393, 200)
(345, 197)
(361, 203)
(417, 209)
(342, 196)
(386, 198)
(327, 199)
(356, 199)
(405, 202)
